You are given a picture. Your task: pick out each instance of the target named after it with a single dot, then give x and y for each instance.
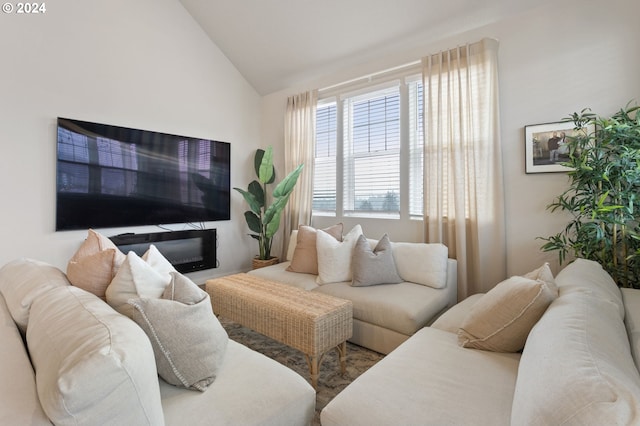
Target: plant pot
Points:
(260, 263)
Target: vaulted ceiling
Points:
(278, 43)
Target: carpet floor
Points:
(331, 380)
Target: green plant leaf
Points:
(266, 171)
(288, 183)
(258, 193)
(253, 221)
(254, 205)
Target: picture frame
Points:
(545, 146)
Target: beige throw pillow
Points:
(93, 366)
(305, 255)
(373, 267)
(94, 264)
(502, 319)
(188, 341)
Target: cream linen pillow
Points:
(305, 255)
(422, 263)
(373, 267)
(92, 365)
(138, 278)
(334, 257)
(94, 264)
(543, 273)
(24, 280)
(188, 341)
(501, 320)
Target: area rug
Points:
(331, 380)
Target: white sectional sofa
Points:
(579, 366)
(386, 315)
(69, 358)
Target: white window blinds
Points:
(371, 155)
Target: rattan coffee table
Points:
(311, 322)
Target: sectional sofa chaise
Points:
(69, 358)
(386, 313)
(579, 365)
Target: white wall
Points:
(554, 60)
(143, 64)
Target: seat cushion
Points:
(250, 389)
(280, 273)
(429, 380)
(404, 307)
(93, 365)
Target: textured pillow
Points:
(334, 257)
(24, 280)
(305, 255)
(92, 365)
(136, 278)
(422, 263)
(188, 340)
(95, 264)
(502, 319)
(372, 267)
(543, 273)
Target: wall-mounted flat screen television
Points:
(111, 176)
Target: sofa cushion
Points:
(501, 320)
(404, 307)
(279, 272)
(137, 277)
(334, 257)
(577, 369)
(631, 298)
(93, 365)
(22, 281)
(373, 266)
(250, 389)
(20, 404)
(429, 380)
(421, 263)
(94, 264)
(452, 320)
(305, 254)
(587, 276)
(188, 340)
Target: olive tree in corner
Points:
(602, 197)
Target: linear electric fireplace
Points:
(188, 251)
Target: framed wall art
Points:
(546, 146)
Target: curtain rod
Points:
(371, 76)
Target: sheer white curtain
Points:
(463, 184)
(299, 148)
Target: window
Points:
(324, 179)
(360, 169)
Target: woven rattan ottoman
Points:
(311, 322)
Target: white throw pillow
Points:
(334, 257)
(137, 278)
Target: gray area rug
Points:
(331, 380)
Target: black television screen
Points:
(110, 176)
